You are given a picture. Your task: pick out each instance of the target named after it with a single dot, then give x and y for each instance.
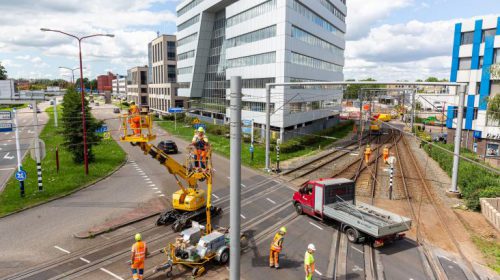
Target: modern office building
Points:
(137, 85)
(162, 76)
(263, 41)
(119, 86)
(476, 47)
(104, 82)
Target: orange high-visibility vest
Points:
(277, 242)
(139, 249)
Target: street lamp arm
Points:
(59, 31)
(96, 35)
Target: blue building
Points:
(476, 47)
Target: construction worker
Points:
(309, 261)
(368, 153)
(385, 153)
(200, 142)
(139, 252)
(276, 246)
(135, 118)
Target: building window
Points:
(183, 85)
(481, 61)
(256, 83)
(488, 32)
(316, 19)
(310, 39)
(314, 63)
(256, 106)
(251, 13)
(464, 63)
(185, 70)
(251, 37)
(187, 40)
(467, 38)
(492, 150)
(188, 23)
(336, 12)
(185, 55)
(496, 58)
(188, 7)
(144, 78)
(258, 59)
(171, 74)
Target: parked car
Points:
(30, 106)
(38, 110)
(51, 102)
(96, 104)
(168, 147)
(116, 110)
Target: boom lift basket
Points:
(136, 128)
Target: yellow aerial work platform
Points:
(137, 128)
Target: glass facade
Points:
(467, 38)
(336, 12)
(188, 7)
(187, 40)
(188, 23)
(171, 73)
(185, 55)
(185, 70)
(171, 50)
(251, 37)
(464, 63)
(310, 39)
(315, 63)
(258, 59)
(316, 19)
(255, 106)
(256, 83)
(251, 13)
(214, 90)
(150, 63)
(488, 32)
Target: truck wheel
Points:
(352, 235)
(177, 227)
(224, 257)
(298, 208)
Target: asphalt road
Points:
(8, 154)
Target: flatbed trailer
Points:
(334, 199)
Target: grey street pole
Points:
(235, 178)
(55, 111)
(268, 127)
(413, 93)
(37, 147)
(18, 151)
(458, 138)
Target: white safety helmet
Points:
(311, 247)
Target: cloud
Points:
(363, 14)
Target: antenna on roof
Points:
(158, 33)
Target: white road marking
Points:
(85, 260)
(357, 268)
(5, 144)
(313, 224)
(214, 169)
(354, 248)
(155, 188)
(228, 178)
(270, 200)
(152, 185)
(7, 156)
(161, 195)
(215, 196)
(243, 216)
(354, 154)
(61, 249)
(243, 186)
(158, 192)
(112, 274)
(5, 169)
(145, 176)
(319, 273)
(9, 140)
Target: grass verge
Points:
(490, 249)
(108, 156)
(12, 106)
(220, 144)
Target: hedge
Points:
(473, 181)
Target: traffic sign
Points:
(5, 127)
(247, 122)
(251, 148)
(21, 175)
(175, 110)
(107, 135)
(5, 115)
(198, 125)
(196, 121)
(102, 129)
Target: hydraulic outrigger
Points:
(189, 202)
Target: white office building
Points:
(263, 41)
(119, 86)
(476, 48)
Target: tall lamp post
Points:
(72, 72)
(85, 151)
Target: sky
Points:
(386, 39)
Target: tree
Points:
(73, 128)
(93, 84)
(86, 83)
(494, 107)
(3, 72)
(352, 91)
(432, 80)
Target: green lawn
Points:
(109, 156)
(490, 249)
(220, 144)
(12, 106)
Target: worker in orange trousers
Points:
(135, 119)
(276, 247)
(385, 154)
(139, 252)
(368, 153)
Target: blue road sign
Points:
(5, 127)
(251, 148)
(21, 175)
(102, 129)
(246, 130)
(175, 110)
(198, 125)
(247, 122)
